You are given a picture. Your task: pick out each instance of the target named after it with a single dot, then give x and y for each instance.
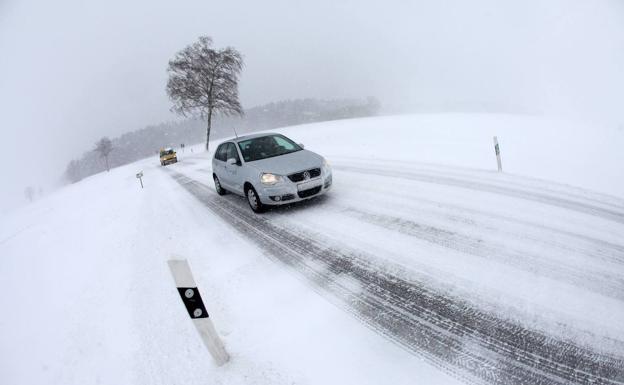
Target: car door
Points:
(218, 165)
(233, 171)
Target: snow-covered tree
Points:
(204, 81)
(104, 147)
(29, 193)
(73, 172)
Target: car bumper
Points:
(289, 192)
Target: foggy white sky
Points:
(73, 71)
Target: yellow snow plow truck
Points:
(167, 155)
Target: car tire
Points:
(254, 201)
(218, 187)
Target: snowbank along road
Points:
(492, 278)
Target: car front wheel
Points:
(218, 187)
(254, 201)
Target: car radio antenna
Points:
(235, 133)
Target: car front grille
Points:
(300, 176)
(309, 192)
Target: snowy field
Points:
(422, 265)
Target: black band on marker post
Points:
(193, 302)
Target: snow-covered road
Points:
(451, 278)
(422, 265)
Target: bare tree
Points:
(104, 147)
(29, 192)
(203, 81)
(73, 172)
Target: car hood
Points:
(289, 163)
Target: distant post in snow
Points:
(187, 288)
(139, 176)
(498, 157)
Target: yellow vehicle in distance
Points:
(167, 155)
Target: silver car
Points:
(269, 169)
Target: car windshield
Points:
(167, 152)
(266, 147)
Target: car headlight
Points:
(326, 166)
(268, 178)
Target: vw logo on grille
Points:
(306, 175)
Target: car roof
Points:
(251, 136)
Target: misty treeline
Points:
(147, 141)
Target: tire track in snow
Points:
(606, 284)
(572, 242)
(453, 335)
(586, 208)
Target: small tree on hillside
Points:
(29, 193)
(73, 172)
(204, 81)
(104, 147)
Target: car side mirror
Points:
(301, 145)
(232, 161)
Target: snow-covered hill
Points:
(419, 230)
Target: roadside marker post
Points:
(139, 176)
(498, 157)
(187, 288)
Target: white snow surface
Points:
(87, 297)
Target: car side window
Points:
(232, 153)
(220, 154)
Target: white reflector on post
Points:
(498, 157)
(187, 288)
